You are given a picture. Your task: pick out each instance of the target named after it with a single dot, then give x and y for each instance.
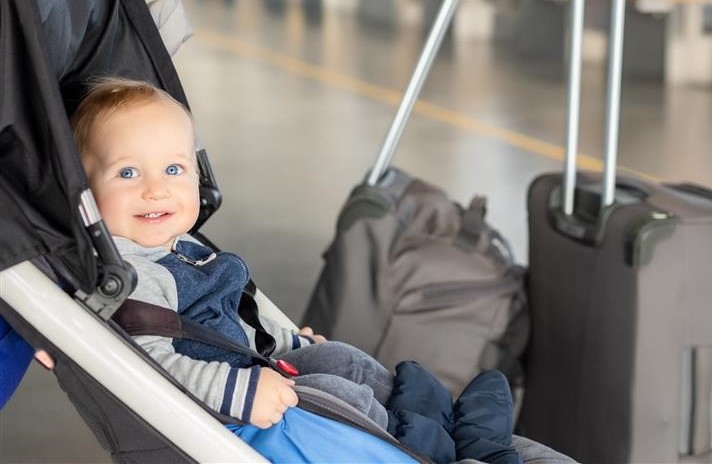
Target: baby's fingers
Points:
(262, 424)
(277, 417)
(306, 330)
(289, 397)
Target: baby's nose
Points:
(155, 189)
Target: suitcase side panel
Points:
(583, 302)
(675, 292)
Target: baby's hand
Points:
(308, 332)
(274, 395)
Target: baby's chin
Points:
(155, 242)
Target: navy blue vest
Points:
(209, 289)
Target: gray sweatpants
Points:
(347, 373)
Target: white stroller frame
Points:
(118, 367)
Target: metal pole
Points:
(437, 32)
(615, 54)
(573, 105)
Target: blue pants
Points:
(15, 356)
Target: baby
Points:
(137, 146)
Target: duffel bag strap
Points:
(472, 225)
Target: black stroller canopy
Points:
(50, 50)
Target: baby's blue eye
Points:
(174, 170)
(128, 173)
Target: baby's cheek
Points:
(111, 208)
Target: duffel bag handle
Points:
(427, 56)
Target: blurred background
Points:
(293, 98)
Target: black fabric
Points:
(145, 29)
(247, 310)
(120, 431)
(41, 177)
(49, 55)
(110, 44)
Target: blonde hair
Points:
(108, 94)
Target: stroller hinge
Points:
(115, 285)
(117, 278)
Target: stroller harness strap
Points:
(141, 318)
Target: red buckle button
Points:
(286, 368)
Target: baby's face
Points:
(141, 166)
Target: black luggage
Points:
(411, 275)
(620, 361)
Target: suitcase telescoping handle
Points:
(427, 56)
(615, 60)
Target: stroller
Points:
(61, 277)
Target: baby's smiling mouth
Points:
(153, 215)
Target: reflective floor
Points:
(293, 104)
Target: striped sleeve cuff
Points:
(240, 390)
(299, 341)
